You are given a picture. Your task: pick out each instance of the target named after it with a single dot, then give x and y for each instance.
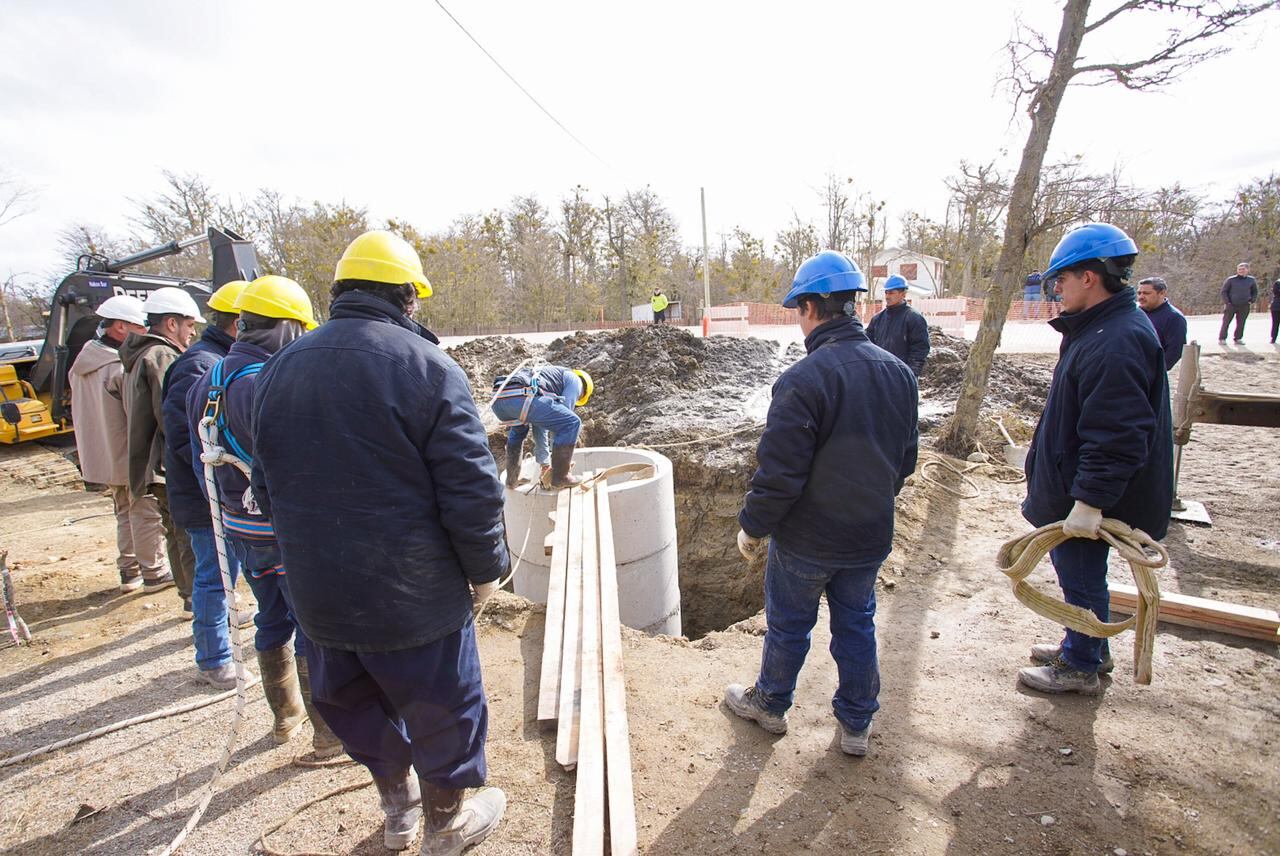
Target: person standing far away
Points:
(1238, 294)
(1169, 323)
(899, 329)
(171, 325)
(659, 303)
(97, 399)
(372, 463)
(839, 440)
(1104, 443)
(1275, 310)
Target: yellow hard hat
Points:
(224, 299)
(587, 387)
(381, 256)
(277, 297)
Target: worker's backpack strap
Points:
(214, 407)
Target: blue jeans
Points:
(793, 586)
(209, 602)
(552, 420)
(260, 560)
(423, 706)
(1081, 564)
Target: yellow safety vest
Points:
(659, 302)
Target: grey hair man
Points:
(1238, 294)
(1170, 324)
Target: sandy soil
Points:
(962, 760)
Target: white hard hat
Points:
(122, 307)
(172, 301)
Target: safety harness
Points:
(516, 386)
(213, 407)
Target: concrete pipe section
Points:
(644, 536)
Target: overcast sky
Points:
(389, 106)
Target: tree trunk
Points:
(960, 433)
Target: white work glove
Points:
(1084, 521)
(749, 547)
(482, 592)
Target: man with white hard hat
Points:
(171, 319)
(97, 401)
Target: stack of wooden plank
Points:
(581, 685)
(1248, 621)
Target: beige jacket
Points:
(97, 404)
(146, 360)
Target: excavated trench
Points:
(702, 402)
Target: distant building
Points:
(923, 273)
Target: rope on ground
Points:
(990, 468)
(70, 521)
(707, 439)
(119, 726)
(1019, 556)
(271, 851)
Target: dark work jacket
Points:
(187, 503)
(373, 465)
(1239, 289)
(1275, 295)
(1171, 331)
(903, 332)
(237, 405)
(1105, 436)
(840, 439)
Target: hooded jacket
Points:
(97, 402)
(903, 332)
(840, 439)
(146, 359)
(372, 463)
(1105, 437)
(187, 504)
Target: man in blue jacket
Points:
(899, 329)
(187, 506)
(372, 462)
(840, 439)
(1238, 293)
(1104, 444)
(1170, 324)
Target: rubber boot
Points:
(284, 697)
(453, 824)
(561, 460)
(324, 743)
(401, 800)
(513, 464)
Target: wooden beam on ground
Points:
(1248, 621)
(553, 628)
(617, 739)
(588, 796)
(570, 657)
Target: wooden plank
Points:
(588, 797)
(617, 739)
(553, 629)
(1201, 608)
(570, 662)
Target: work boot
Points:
(1043, 655)
(561, 461)
(513, 464)
(223, 677)
(130, 584)
(324, 743)
(854, 742)
(745, 702)
(453, 824)
(401, 800)
(280, 686)
(1059, 677)
(159, 583)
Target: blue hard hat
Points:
(826, 273)
(1090, 241)
(895, 283)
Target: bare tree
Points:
(980, 195)
(1039, 75)
(796, 243)
(837, 201)
(16, 198)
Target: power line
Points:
(527, 93)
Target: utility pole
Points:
(706, 267)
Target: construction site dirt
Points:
(962, 761)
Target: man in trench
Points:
(840, 440)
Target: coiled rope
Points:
(1019, 556)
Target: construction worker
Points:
(272, 312)
(899, 329)
(97, 378)
(171, 325)
(659, 303)
(1103, 446)
(1170, 324)
(372, 462)
(543, 401)
(838, 443)
(188, 507)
